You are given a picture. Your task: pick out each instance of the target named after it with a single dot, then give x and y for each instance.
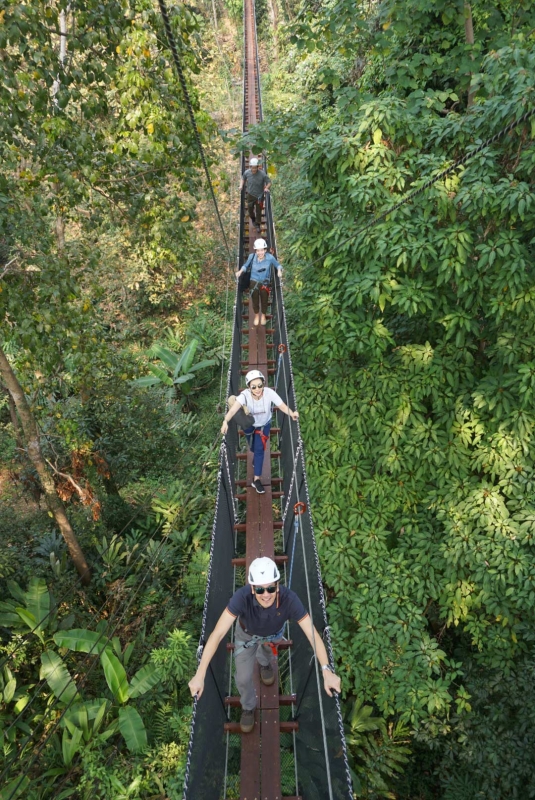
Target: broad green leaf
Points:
(186, 359)
(56, 674)
(144, 679)
(38, 600)
(92, 708)
(28, 618)
(132, 728)
(184, 378)
(146, 381)
(9, 619)
(16, 592)
(15, 788)
(9, 690)
(81, 641)
(161, 374)
(115, 675)
(208, 362)
(70, 745)
(165, 355)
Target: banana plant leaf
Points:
(143, 680)
(146, 381)
(165, 355)
(115, 676)
(186, 359)
(132, 728)
(58, 677)
(82, 641)
(15, 788)
(38, 600)
(70, 746)
(208, 362)
(183, 378)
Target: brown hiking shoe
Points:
(267, 676)
(247, 721)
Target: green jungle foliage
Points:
(414, 347)
(108, 271)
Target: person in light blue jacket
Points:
(260, 263)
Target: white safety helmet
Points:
(263, 570)
(253, 162)
(260, 244)
(252, 375)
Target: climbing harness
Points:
(241, 646)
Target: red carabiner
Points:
(281, 348)
(300, 508)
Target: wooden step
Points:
(284, 727)
(284, 700)
(243, 497)
(240, 562)
(243, 456)
(241, 527)
(274, 481)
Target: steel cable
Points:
(183, 84)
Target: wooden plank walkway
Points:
(260, 772)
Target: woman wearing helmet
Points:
(260, 399)
(262, 608)
(260, 263)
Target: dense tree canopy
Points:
(414, 348)
(414, 344)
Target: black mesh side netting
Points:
(320, 744)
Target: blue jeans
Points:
(257, 445)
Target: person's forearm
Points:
(234, 410)
(284, 408)
(321, 651)
(208, 653)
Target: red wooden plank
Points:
(250, 757)
(269, 695)
(284, 700)
(271, 768)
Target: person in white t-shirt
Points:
(260, 399)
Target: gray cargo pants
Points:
(245, 664)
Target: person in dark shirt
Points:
(261, 608)
(256, 182)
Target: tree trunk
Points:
(14, 420)
(273, 18)
(33, 448)
(469, 37)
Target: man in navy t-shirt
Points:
(261, 609)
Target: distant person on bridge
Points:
(256, 182)
(260, 399)
(262, 608)
(260, 264)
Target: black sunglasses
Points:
(262, 589)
